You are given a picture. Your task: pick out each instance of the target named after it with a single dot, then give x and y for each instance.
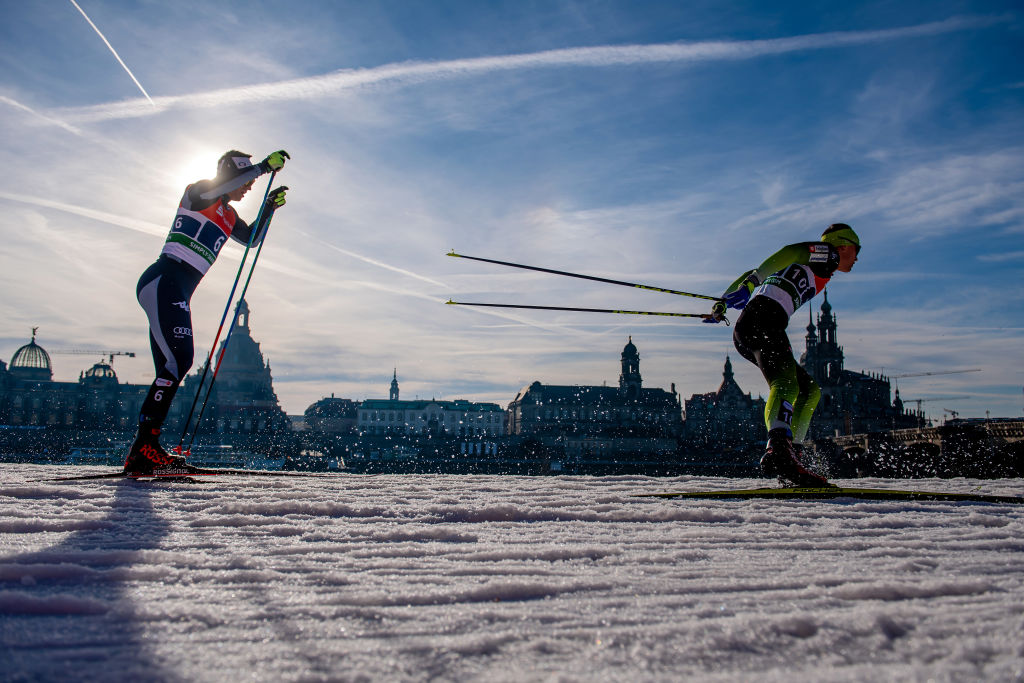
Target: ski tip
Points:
(451, 302)
(452, 253)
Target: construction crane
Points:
(94, 352)
(927, 374)
(919, 401)
(937, 372)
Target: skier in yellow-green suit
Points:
(768, 296)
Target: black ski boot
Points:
(781, 460)
(147, 458)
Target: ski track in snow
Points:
(490, 578)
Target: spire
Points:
(242, 314)
(827, 324)
(393, 394)
(812, 336)
(728, 389)
(629, 379)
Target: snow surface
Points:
(490, 578)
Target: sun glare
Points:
(197, 166)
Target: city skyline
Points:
(394, 384)
(671, 145)
(113, 357)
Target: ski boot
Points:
(781, 460)
(147, 458)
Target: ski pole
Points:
(231, 327)
(704, 316)
(586, 277)
(227, 307)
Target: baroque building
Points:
(242, 399)
(29, 397)
(332, 416)
(454, 419)
(726, 419)
(851, 402)
(600, 421)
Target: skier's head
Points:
(845, 241)
(232, 163)
(839, 234)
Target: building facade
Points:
(600, 421)
(455, 419)
(29, 397)
(332, 416)
(726, 419)
(242, 400)
(851, 402)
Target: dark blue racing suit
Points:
(204, 221)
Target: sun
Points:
(197, 166)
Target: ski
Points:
(799, 493)
(84, 477)
(185, 473)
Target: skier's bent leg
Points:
(784, 390)
(806, 402)
(158, 400)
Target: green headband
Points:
(842, 236)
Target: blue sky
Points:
(676, 144)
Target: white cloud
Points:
(411, 73)
(1002, 257)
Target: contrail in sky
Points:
(315, 87)
(117, 56)
(144, 227)
(28, 110)
(148, 228)
(375, 262)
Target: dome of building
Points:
(32, 362)
(332, 408)
(31, 355)
(629, 350)
(101, 373)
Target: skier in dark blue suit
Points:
(204, 221)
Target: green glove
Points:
(275, 200)
(717, 313)
(274, 161)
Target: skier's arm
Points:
(212, 192)
(787, 256)
(242, 232)
(273, 162)
(738, 293)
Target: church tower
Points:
(811, 340)
(629, 379)
(393, 393)
(243, 397)
(823, 358)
